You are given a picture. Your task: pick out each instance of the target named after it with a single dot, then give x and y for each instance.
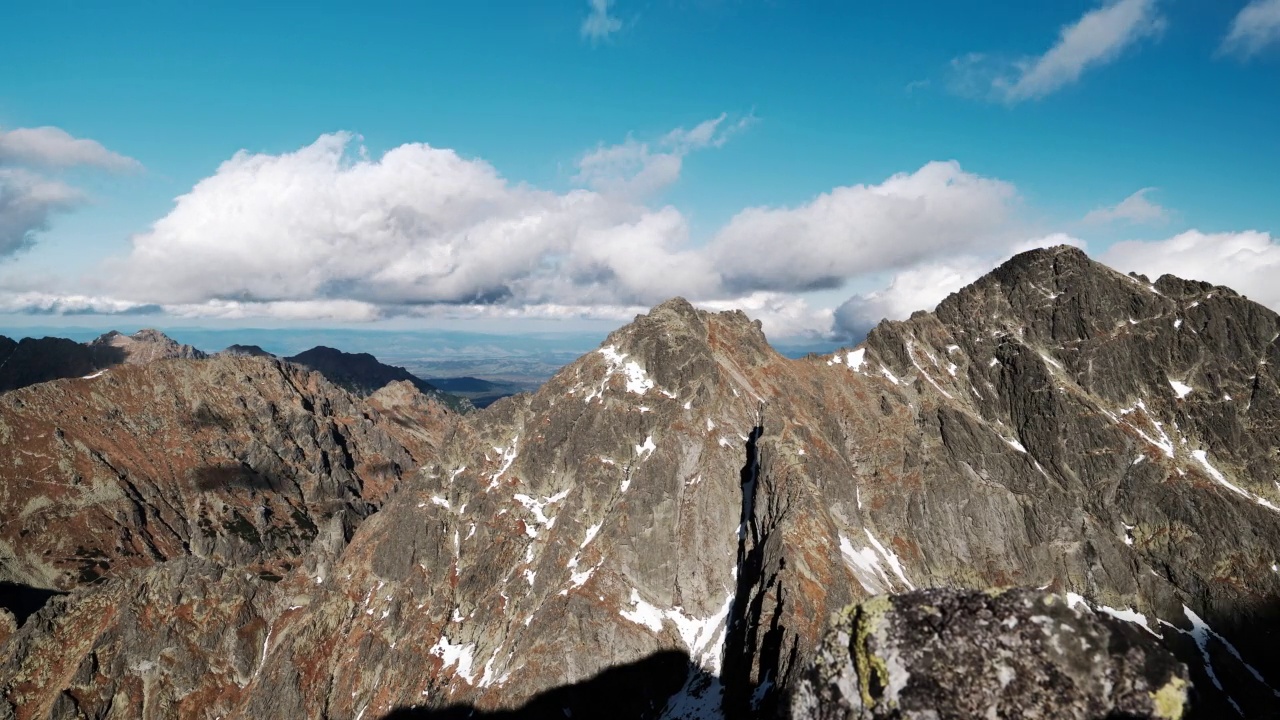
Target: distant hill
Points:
(481, 393)
(246, 350)
(363, 374)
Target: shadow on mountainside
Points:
(640, 689)
(37, 360)
(23, 600)
(233, 476)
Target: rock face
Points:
(962, 654)
(244, 461)
(687, 490)
(362, 374)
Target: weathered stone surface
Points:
(245, 461)
(940, 654)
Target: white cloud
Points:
(46, 303)
(780, 314)
(635, 169)
(1247, 262)
(329, 233)
(418, 225)
(1253, 29)
(599, 24)
(1097, 38)
(27, 202)
(54, 147)
(925, 285)
(918, 288)
(1047, 241)
(863, 229)
(1135, 209)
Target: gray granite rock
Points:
(943, 654)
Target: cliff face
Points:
(245, 461)
(685, 488)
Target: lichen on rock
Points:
(945, 653)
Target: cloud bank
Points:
(329, 233)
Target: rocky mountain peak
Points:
(144, 346)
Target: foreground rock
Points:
(938, 654)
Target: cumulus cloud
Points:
(780, 314)
(863, 229)
(1136, 209)
(636, 169)
(329, 233)
(923, 286)
(1256, 27)
(1247, 262)
(1097, 38)
(55, 147)
(418, 225)
(599, 24)
(27, 202)
(918, 288)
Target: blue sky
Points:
(608, 154)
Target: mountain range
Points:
(666, 528)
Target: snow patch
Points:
(535, 506)
(869, 565)
(508, 457)
(891, 559)
(638, 381)
(888, 375)
(643, 613)
(1202, 458)
(1180, 388)
(459, 655)
(645, 450)
(94, 375)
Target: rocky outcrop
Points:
(954, 654)
(146, 346)
(685, 489)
